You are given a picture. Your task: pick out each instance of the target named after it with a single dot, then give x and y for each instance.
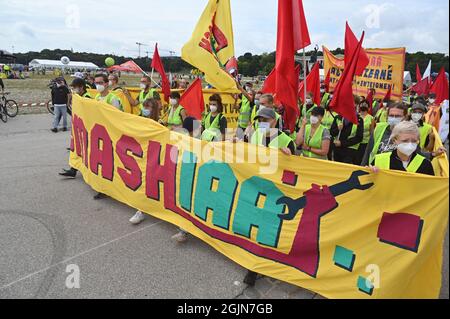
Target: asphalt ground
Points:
(48, 225)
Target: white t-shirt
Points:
(443, 125)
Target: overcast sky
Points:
(114, 26)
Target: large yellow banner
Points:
(332, 228)
(385, 69)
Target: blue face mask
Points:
(146, 112)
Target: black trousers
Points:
(361, 152)
(346, 155)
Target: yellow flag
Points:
(212, 45)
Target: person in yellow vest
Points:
(177, 113)
(347, 137)
(267, 101)
(381, 114)
(267, 134)
(406, 156)
(105, 95)
(215, 123)
(307, 107)
(245, 108)
(369, 127)
(147, 92)
(427, 138)
(313, 137)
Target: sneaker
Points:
(64, 129)
(250, 278)
(100, 196)
(54, 130)
(137, 218)
(71, 173)
(180, 237)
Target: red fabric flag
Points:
(192, 100)
(158, 66)
(418, 73)
(327, 81)
(369, 100)
(270, 83)
(129, 66)
(343, 102)
(351, 42)
(422, 87)
(440, 87)
(387, 97)
(312, 85)
(292, 35)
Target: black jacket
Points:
(346, 132)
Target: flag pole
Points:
(151, 77)
(304, 74)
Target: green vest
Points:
(212, 130)
(175, 117)
(314, 141)
(424, 132)
(109, 98)
(244, 113)
(325, 99)
(383, 161)
(328, 119)
(87, 95)
(382, 115)
(377, 137)
(279, 142)
(367, 124)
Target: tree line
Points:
(249, 64)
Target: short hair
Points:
(405, 127)
(115, 77)
(269, 98)
(188, 123)
(320, 111)
(175, 95)
(216, 98)
(147, 78)
(400, 106)
(103, 76)
(77, 82)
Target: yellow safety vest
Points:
(367, 124)
(424, 131)
(383, 161)
(280, 141)
(175, 117)
(212, 129)
(314, 141)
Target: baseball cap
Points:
(267, 113)
(419, 106)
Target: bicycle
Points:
(9, 107)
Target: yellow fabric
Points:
(386, 67)
(198, 50)
(352, 224)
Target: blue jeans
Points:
(60, 111)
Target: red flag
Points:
(422, 87)
(369, 100)
(387, 97)
(292, 35)
(312, 85)
(192, 100)
(418, 73)
(129, 66)
(343, 102)
(158, 66)
(327, 81)
(270, 83)
(351, 42)
(440, 87)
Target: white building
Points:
(57, 64)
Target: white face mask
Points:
(393, 121)
(407, 148)
(213, 108)
(432, 101)
(173, 102)
(416, 117)
(314, 119)
(262, 107)
(146, 112)
(264, 126)
(309, 101)
(142, 86)
(100, 88)
(110, 83)
(257, 102)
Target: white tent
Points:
(57, 64)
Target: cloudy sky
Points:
(114, 26)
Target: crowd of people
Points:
(389, 135)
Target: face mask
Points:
(257, 103)
(143, 86)
(213, 108)
(264, 126)
(146, 112)
(385, 104)
(262, 107)
(432, 101)
(314, 119)
(416, 117)
(100, 88)
(110, 83)
(407, 148)
(393, 121)
(309, 101)
(59, 85)
(173, 102)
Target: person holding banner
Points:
(214, 123)
(313, 137)
(427, 138)
(406, 156)
(101, 83)
(113, 82)
(146, 93)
